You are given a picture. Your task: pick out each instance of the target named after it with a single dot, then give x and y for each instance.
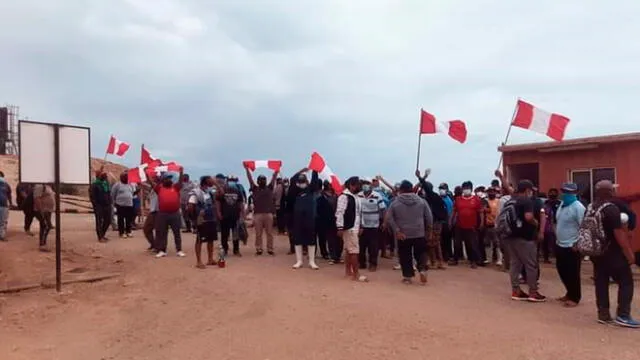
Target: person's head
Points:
(285, 182)
(375, 183)
(457, 191)
(492, 193)
(102, 176)
(467, 188)
(206, 181)
(279, 181)
(495, 183)
(428, 187)
(480, 191)
(1, 174)
(124, 178)
(552, 194)
(605, 190)
(167, 180)
(405, 187)
(443, 189)
(185, 178)
(221, 179)
(366, 186)
(353, 184)
(303, 181)
(262, 181)
(525, 188)
(232, 181)
(326, 186)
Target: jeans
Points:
(29, 213)
(613, 265)
(468, 237)
(547, 245)
(410, 249)
(281, 220)
(568, 263)
(44, 218)
(148, 227)
(324, 233)
(102, 214)
(524, 255)
(492, 240)
(185, 217)
(125, 219)
(482, 251)
(447, 242)
(369, 242)
(226, 227)
(164, 221)
(4, 220)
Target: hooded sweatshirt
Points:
(410, 214)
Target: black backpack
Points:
(507, 221)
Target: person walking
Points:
(101, 201)
(522, 244)
(569, 215)
(468, 215)
(168, 215)
(264, 209)
(616, 261)
(349, 222)
(44, 206)
(411, 220)
(122, 198)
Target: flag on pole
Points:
(252, 165)
(137, 175)
(146, 157)
(532, 118)
(318, 164)
(117, 147)
(456, 129)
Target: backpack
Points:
(592, 240)
(205, 209)
(507, 220)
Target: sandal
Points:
(201, 266)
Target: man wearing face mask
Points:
(101, 201)
(291, 194)
(264, 209)
(304, 217)
(551, 206)
(373, 208)
(168, 215)
(480, 192)
(491, 236)
(440, 216)
(467, 210)
(232, 208)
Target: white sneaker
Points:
(397, 267)
(313, 266)
(181, 254)
(297, 265)
(499, 263)
(161, 254)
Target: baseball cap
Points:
(606, 184)
(524, 185)
(569, 188)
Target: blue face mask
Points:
(231, 184)
(568, 199)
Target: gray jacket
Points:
(410, 214)
(122, 194)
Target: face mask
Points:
(262, 183)
(466, 192)
(569, 199)
(231, 183)
(302, 185)
(366, 188)
(442, 192)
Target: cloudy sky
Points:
(210, 83)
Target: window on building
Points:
(586, 180)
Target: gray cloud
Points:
(210, 84)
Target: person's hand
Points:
(400, 236)
(498, 173)
(427, 172)
(378, 177)
(418, 173)
(340, 233)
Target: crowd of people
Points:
(512, 227)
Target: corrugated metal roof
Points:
(571, 143)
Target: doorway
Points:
(529, 171)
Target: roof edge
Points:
(595, 140)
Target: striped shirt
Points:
(372, 207)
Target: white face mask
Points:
(302, 185)
(443, 192)
(466, 192)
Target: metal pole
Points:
(418, 156)
(506, 138)
(56, 185)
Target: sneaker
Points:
(129, 235)
(237, 254)
(537, 297)
(407, 281)
(519, 295)
(181, 254)
(259, 252)
(605, 320)
(332, 262)
(270, 252)
(161, 254)
(397, 267)
(499, 263)
(628, 322)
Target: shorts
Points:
(436, 235)
(351, 242)
(207, 232)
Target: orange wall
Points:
(555, 166)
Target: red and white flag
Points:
(532, 118)
(146, 157)
(117, 147)
(156, 169)
(456, 129)
(318, 164)
(252, 165)
(137, 175)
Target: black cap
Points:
(524, 185)
(220, 176)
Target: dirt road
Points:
(259, 308)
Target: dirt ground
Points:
(259, 308)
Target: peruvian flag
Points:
(252, 165)
(456, 129)
(137, 175)
(157, 169)
(117, 147)
(146, 157)
(532, 118)
(318, 164)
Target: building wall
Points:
(555, 167)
